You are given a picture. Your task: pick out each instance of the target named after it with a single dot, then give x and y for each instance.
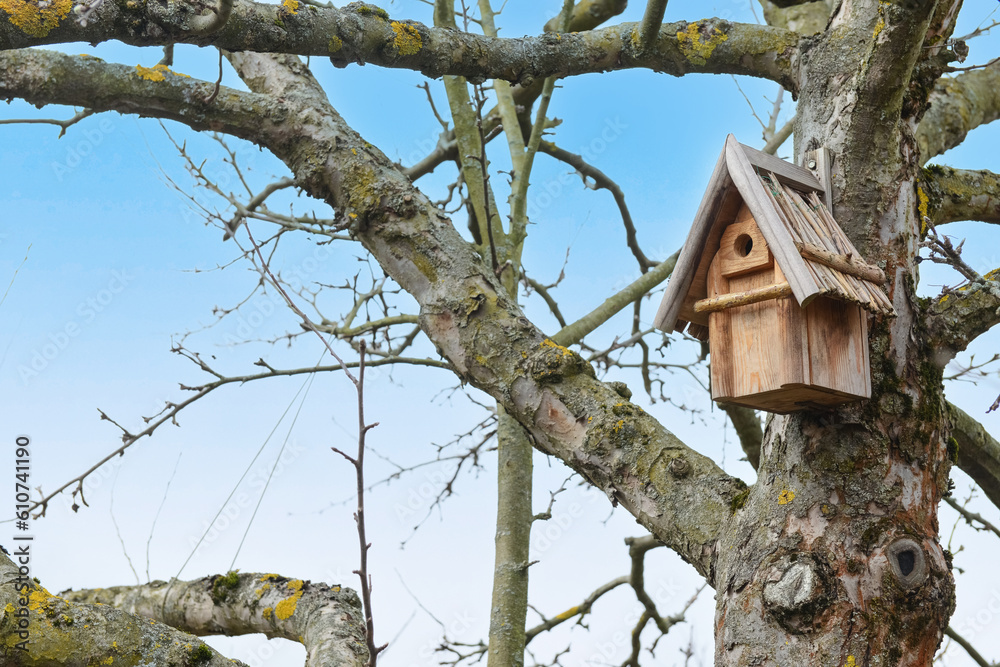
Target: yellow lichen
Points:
(155, 73)
(286, 607)
(37, 598)
(555, 346)
(407, 40)
(850, 662)
(694, 47)
(268, 576)
(922, 207)
(335, 44)
(786, 496)
(569, 613)
(290, 6)
(879, 27)
(618, 426)
(35, 17)
(266, 613)
(335, 589)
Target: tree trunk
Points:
(509, 605)
(833, 558)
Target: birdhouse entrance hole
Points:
(744, 244)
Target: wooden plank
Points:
(720, 339)
(867, 360)
(836, 350)
(787, 173)
(791, 398)
(764, 351)
(684, 271)
(736, 299)
(822, 159)
(742, 247)
(804, 285)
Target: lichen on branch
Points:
(358, 34)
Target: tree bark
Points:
(833, 558)
(327, 620)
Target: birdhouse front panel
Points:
(773, 355)
(771, 281)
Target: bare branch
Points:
(326, 619)
(973, 653)
(349, 36)
(579, 610)
(556, 396)
(96, 635)
(972, 518)
(651, 21)
(576, 331)
(779, 138)
(602, 182)
(959, 316)
(951, 195)
(958, 106)
(358, 461)
(170, 412)
(587, 15)
(63, 124)
(978, 452)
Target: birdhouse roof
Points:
(809, 246)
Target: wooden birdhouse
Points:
(771, 281)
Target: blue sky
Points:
(119, 267)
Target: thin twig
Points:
(63, 124)
(358, 462)
(973, 653)
(602, 182)
(970, 516)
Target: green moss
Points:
(364, 9)
(200, 655)
(222, 585)
(739, 500)
(334, 44)
(953, 450)
(426, 267)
